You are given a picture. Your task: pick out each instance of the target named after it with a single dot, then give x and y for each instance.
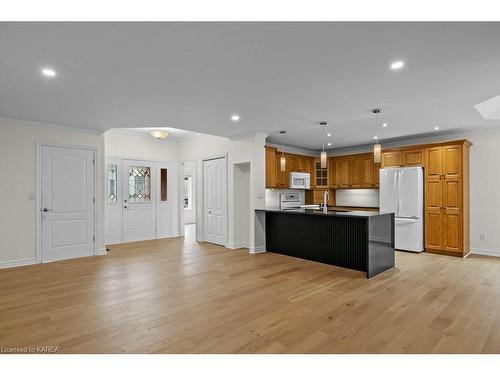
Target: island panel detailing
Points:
(362, 241)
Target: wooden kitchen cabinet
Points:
(320, 174)
(362, 171)
(412, 157)
(271, 180)
(341, 170)
(447, 198)
(390, 159)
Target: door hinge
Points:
(93, 238)
(93, 200)
(93, 161)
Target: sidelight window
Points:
(112, 175)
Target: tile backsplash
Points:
(357, 197)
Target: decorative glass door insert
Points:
(139, 184)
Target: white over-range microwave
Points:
(300, 180)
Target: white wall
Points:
(484, 184)
(190, 214)
(242, 213)
(17, 185)
(140, 146)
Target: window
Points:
(188, 192)
(163, 184)
(112, 194)
(139, 184)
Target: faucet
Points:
(326, 197)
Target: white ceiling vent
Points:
(489, 109)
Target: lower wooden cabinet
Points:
(444, 231)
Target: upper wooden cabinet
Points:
(341, 170)
(357, 171)
(271, 167)
(402, 158)
(390, 159)
(413, 157)
(275, 178)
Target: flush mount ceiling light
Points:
(329, 143)
(377, 149)
(282, 159)
(48, 72)
(384, 125)
(329, 135)
(436, 127)
(159, 134)
(396, 65)
(323, 157)
(235, 118)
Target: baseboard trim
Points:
(488, 252)
(257, 249)
(101, 251)
(17, 263)
(237, 245)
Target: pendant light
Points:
(323, 157)
(282, 159)
(377, 148)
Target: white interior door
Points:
(164, 193)
(139, 200)
(215, 201)
(67, 203)
(114, 202)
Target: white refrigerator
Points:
(402, 192)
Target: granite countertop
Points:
(305, 211)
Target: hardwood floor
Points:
(179, 296)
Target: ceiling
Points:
(173, 133)
(194, 76)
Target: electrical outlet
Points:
(482, 237)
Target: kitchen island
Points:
(358, 240)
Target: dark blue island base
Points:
(358, 240)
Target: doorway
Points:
(189, 201)
(67, 202)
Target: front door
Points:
(139, 200)
(215, 201)
(67, 203)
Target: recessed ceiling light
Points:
(329, 135)
(397, 65)
(235, 118)
(329, 143)
(436, 127)
(48, 72)
(375, 137)
(384, 125)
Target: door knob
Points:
(47, 209)
(124, 206)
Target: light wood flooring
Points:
(180, 296)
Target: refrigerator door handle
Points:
(396, 193)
